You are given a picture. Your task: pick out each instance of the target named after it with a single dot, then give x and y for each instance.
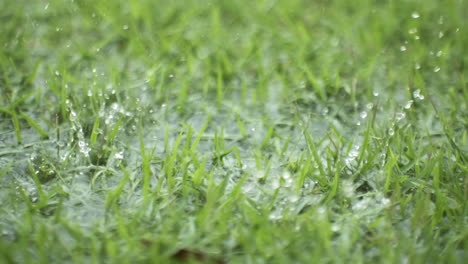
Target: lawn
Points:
(233, 131)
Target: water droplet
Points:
(413, 31)
(439, 53)
(119, 155)
(57, 73)
(391, 131)
(94, 70)
(369, 106)
(400, 116)
(441, 34)
(417, 94)
(417, 66)
(325, 111)
(125, 27)
(441, 20)
(408, 104)
(375, 93)
(171, 76)
(363, 114)
(90, 93)
(436, 69)
(293, 198)
(415, 15)
(402, 48)
(46, 6)
(416, 37)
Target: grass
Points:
(233, 131)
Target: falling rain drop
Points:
(400, 116)
(415, 15)
(363, 114)
(408, 104)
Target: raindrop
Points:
(375, 93)
(441, 20)
(171, 76)
(90, 93)
(402, 48)
(369, 106)
(415, 15)
(94, 70)
(400, 116)
(417, 66)
(363, 114)
(293, 198)
(119, 155)
(325, 111)
(439, 53)
(125, 27)
(441, 34)
(436, 69)
(413, 31)
(417, 94)
(408, 104)
(57, 73)
(46, 6)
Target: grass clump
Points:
(233, 131)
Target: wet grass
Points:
(233, 131)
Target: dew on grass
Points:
(391, 131)
(415, 15)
